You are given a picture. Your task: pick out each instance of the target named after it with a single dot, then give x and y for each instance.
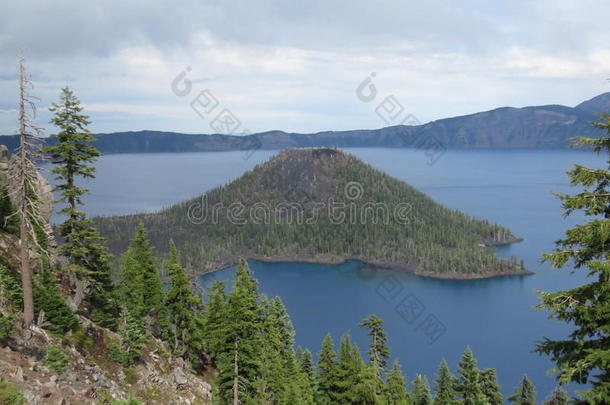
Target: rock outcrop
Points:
(92, 378)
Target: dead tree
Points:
(23, 184)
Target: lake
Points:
(495, 317)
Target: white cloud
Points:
(295, 66)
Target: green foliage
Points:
(141, 291)
(327, 371)
(73, 155)
(11, 300)
(525, 393)
(396, 390)
(10, 394)
(558, 397)
(469, 383)
(584, 357)
(444, 387)
(183, 312)
(378, 350)
(432, 238)
(11, 295)
(58, 316)
(239, 345)
(421, 391)
(490, 387)
(215, 318)
(8, 324)
(130, 401)
(9, 220)
(133, 339)
(56, 359)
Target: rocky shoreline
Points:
(376, 264)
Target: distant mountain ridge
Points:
(535, 127)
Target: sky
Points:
(245, 66)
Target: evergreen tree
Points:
(9, 221)
(216, 318)
(133, 339)
(327, 372)
(525, 394)
(349, 368)
(421, 391)
(183, 310)
(558, 397)
(47, 299)
(279, 371)
(239, 349)
(490, 387)
(469, 385)
(584, 358)
(73, 156)
(378, 350)
(396, 392)
(444, 387)
(141, 289)
(305, 361)
(56, 359)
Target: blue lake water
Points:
(495, 317)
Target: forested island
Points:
(322, 205)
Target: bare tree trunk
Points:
(26, 276)
(236, 378)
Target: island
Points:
(321, 205)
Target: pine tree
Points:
(378, 350)
(133, 339)
(73, 156)
(183, 310)
(141, 289)
(558, 397)
(444, 387)
(525, 394)
(396, 391)
(279, 370)
(239, 349)
(491, 387)
(327, 371)
(216, 318)
(58, 316)
(305, 361)
(421, 391)
(469, 385)
(584, 358)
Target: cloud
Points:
(295, 65)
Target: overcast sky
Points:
(296, 65)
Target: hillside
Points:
(321, 205)
(548, 126)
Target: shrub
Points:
(130, 401)
(10, 394)
(47, 298)
(7, 325)
(56, 359)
